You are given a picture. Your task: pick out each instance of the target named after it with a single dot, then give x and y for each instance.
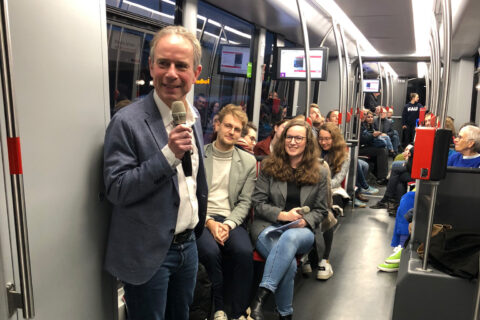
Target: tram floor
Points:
(357, 290)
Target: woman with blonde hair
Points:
(292, 178)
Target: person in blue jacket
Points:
(467, 148)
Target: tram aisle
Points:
(356, 290)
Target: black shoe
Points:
(392, 208)
(256, 312)
(289, 317)
(382, 182)
(380, 205)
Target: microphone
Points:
(180, 117)
(303, 210)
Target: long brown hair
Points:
(338, 152)
(277, 164)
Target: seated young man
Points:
(377, 153)
(231, 175)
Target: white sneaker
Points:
(306, 268)
(220, 315)
(325, 270)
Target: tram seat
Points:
(436, 295)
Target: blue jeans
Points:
(395, 138)
(362, 172)
(280, 250)
(169, 293)
(388, 142)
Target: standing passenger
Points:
(159, 208)
(410, 115)
(291, 177)
(230, 186)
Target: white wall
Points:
(460, 95)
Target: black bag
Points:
(202, 299)
(456, 253)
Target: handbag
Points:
(436, 229)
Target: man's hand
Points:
(404, 127)
(291, 215)
(180, 140)
(376, 133)
(219, 231)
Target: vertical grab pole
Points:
(306, 49)
(427, 88)
(362, 98)
(447, 53)
(345, 82)
(447, 25)
(340, 69)
(380, 72)
(24, 299)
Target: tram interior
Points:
(402, 44)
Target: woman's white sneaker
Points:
(325, 270)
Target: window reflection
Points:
(162, 10)
(129, 75)
(214, 29)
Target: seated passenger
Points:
(265, 147)
(332, 116)
(334, 151)
(316, 118)
(386, 127)
(397, 184)
(467, 148)
(248, 140)
(231, 175)
(470, 140)
(379, 140)
(291, 177)
(378, 153)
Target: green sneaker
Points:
(395, 256)
(388, 267)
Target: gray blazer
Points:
(144, 191)
(270, 196)
(241, 181)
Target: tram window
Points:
(220, 89)
(160, 10)
(129, 75)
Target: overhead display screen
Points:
(371, 85)
(292, 65)
(234, 60)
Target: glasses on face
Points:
(298, 139)
(229, 127)
(324, 139)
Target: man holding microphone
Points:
(155, 178)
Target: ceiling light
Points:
(422, 24)
(148, 9)
(422, 69)
(330, 7)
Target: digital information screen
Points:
(234, 60)
(292, 65)
(371, 85)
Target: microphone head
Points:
(178, 113)
(305, 209)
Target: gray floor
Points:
(356, 290)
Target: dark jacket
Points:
(371, 102)
(366, 134)
(386, 127)
(410, 114)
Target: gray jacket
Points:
(270, 196)
(241, 182)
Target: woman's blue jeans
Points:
(362, 172)
(388, 142)
(280, 249)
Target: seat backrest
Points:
(457, 202)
